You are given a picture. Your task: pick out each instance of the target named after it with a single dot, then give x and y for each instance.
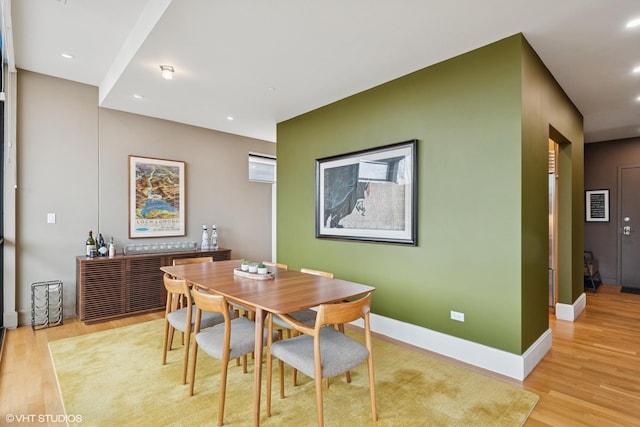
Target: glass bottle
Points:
(214, 237)
(100, 245)
(112, 248)
(205, 239)
(91, 245)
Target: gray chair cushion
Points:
(178, 319)
(338, 352)
(243, 331)
(308, 317)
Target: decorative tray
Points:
(256, 276)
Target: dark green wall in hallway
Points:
(547, 112)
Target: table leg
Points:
(257, 378)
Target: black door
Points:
(630, 228)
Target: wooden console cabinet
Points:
(108, 288)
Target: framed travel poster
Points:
(156, 197)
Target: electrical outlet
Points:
(455, 315)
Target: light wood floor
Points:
(591, 376)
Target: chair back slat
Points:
(209, 302)
(181, 261)
(276, 264)
(177, 292)
(175, 286)
(317, 272)
(344, 312)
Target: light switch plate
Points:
(51, 218)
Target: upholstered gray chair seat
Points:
(178, 319)
(211, 340)
(338, 352)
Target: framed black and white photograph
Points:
(369, 195)
(597, 205)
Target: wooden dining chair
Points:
(194, 260)
(232, 339)
(323, 352)
(307, 316)
(180, 315)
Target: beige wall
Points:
(72, 161)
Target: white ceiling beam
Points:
(148, 19)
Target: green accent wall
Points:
(482, 207)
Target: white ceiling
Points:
(265, 61)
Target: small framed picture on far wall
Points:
(596, 205)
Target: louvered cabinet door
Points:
(145, 290)
(221, 254)
(100, 289)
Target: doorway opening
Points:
(553, 222)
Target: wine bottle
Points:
(91, 245)
(102, 246)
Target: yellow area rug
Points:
(115, 378)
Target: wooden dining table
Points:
(285, 291)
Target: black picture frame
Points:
(369, 195)
(596, 205)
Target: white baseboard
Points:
(10, 319)
(24, 317)
(571, 312)
(495, 360)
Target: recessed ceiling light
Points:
(138, 96)
(230, 118)
(638, 99)
(633, 23)
(167, 72)
(636, 69)
(66, 55)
